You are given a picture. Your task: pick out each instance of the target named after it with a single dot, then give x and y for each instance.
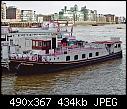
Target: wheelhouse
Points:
(41, 45)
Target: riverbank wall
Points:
(84, 23)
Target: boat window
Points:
(65, 52)
(109, 45)
(44, 44)
(22, 34)
(3, 39)
(75, 57)
(90, 54)
(33, 43)
(11, 41)
(116, 46)
(36, 43)
(59, 36)
(83, 55)
(119, 45)
(27, 43)
(39, 44)
(67, 58)
(97, 54)
(47, 44)
(7, 38)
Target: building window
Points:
(97, 54)
(90, 54)
(67, 58)
(119, 45)
(75, 57)
(83, 55)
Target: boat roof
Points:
(40, 31)
(107, 42)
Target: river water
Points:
(102, 78)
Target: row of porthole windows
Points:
(76, 56)
(83, 56)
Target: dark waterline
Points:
(102, 78)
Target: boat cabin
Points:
(112, 46)
(41, 45)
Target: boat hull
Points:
(5, 70)
(28, 68)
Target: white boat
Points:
(60, 51)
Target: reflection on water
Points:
(102, 78)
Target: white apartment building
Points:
(101, 18)
(92, 15)
(68, 15)
(28, 16)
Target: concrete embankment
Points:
(83, 23)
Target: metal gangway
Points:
(5, 64)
